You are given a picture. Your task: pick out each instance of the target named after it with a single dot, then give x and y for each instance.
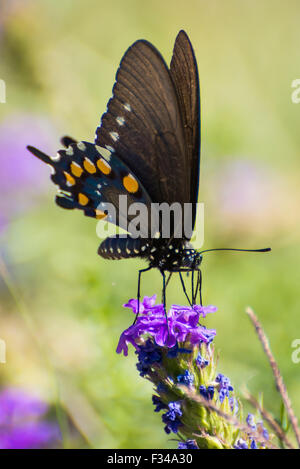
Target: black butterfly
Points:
(147, 148)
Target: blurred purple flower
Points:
(8, 9)
(21, 424)
(181, 324)
(22, 176)
(251, 197)
(242, 187)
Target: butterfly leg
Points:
(139, 291)
(193, 293)
(168, 279)
(164, 289)
(199, 286)
(164, 298)
(184, 289)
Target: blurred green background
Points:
(61, 305)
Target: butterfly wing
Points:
(184, 73)
(91, 179)
(143, 125)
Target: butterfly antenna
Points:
(233, 249)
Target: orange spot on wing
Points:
(130, 183)
(76, 170)
(103, 166)
(89, 166)
(69, 178)
(83, 199)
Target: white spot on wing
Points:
(120, 120)
(57, 157)
(81, 146)
(114, 136)
(52, 169)
(127, 107)
(109, 148)
(70, 151)
(104, 152)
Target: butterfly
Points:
(147, 149)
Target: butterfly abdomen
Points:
(116, 247)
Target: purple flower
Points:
(253, 445)
(148, 354)
(188, 444)
(261, 429)
(207, 392)
(241, 444)
(180, 325)
(171, 418)
(22, 176)
(187, 378)
(201, 362)
(8, 9)
(224, 386)
(251, 422)
(159, 405)
(21, 426)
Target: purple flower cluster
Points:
(207, 392)
(201, 362)
(181, 324)
(21, 424)
(187, 378)
(251, 443)
(148, 354)
(224, 386)
(171, 417)
(188, 444)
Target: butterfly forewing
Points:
(184, 72)
(143, 124)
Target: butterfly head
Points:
(191, 259)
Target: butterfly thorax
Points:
(172, 256)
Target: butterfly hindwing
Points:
(90, 177)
